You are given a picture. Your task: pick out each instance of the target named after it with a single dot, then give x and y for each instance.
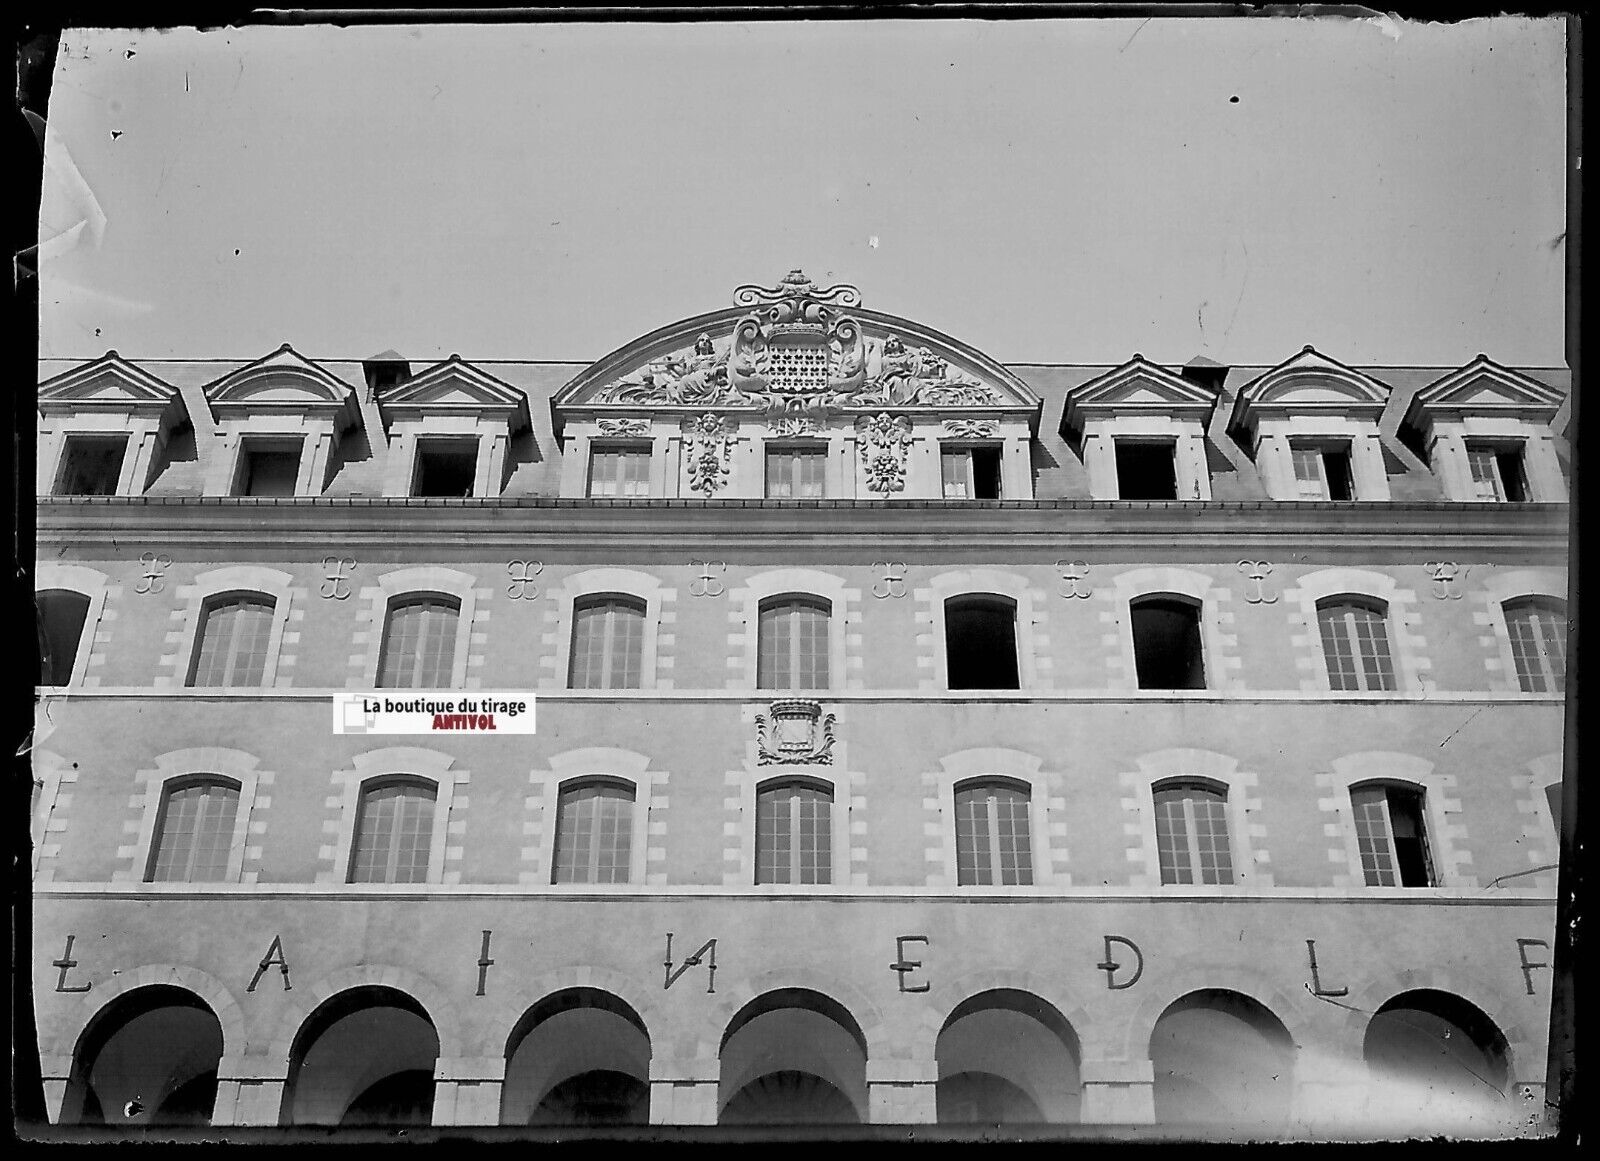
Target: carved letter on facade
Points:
(155, 565)
(484, 962)
(1111, 966)
(66, 963)
(709, 947)
(893, 581)
(336, 572)
(1528, 968)
(1445, 573)
(883, 440)
(708, 584)
(1257, 571)
(1316, 977)
(522, 573)
(273, 958)
(1074, 578)
(905, 966)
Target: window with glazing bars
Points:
(607, 643)
(594, 833)
(617, 470)
(62, 614)
(792, 644)
(970, 473)
(1497, 473)
(1538, 631)
(1192, 834)
(796, 473)
(419, 643)
(232, 647)
(1322, 471)
(1391, 837)
(794, 833)
(394, 833)
(194, 832)
(1355, 642)
(992, 840)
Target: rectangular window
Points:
(1355, 643)
(194, 834)
(594, 834)
(1538, 631)
(445, 467)
(394, 834)
(796, 473)
(1322, 471)
(992, 840)
(792, 643)
(1166, 644)
(970, 473)
(1497, 473)
(91, 465)
(607, 644)
(419, 644)
(1192, 835)
(232, 650)
(980, 643)
(269, 467)
(794, 835)
(1146, 470)
(1390, 836)
(619, 470)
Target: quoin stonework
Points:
(920, 738)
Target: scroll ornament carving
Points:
(794, 732)
(709, 446)
(969, 428)
(884, 439)
(615, 427)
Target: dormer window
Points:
(1146, 470)
(970, 473)
(445, 468)
(796, 473)
(1322, 470)
(269, 467)
(619, 470)
(91, 465)
(1498, 473)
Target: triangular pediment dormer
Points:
(110, 384)
(455, 387)
(283, 382)
(1483, 389)
(1137, 387)
(1309, 384)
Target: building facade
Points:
(918, 738)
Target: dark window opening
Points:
(62, 614)
(981, 643)
(986, 473)
(446, 467)
(1166, 644)
(1512, 477)
(1146, 471)
(970, 473)
(1552, 797)
(91, 465)
(1323, 472)
(269, 467)
(1498, 473)
(1410, 845)
(1391, 836)
(1336, 461)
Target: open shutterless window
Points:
(1192, 832)
(1391, 835)
(981, 642)
(231, 649)
(1498, 472)
(1167, 651)
(268, 467)
(1355, 643)
(62, 614)
(194, 831)
(1322, 470)
(394, 831)
(993, 844)
(445, 467)
(1146, 469)
(91, 465)
(594, 832)
(792, 643)
(796, 473)
(618, 470)
(607, 642)
(1538, 628)
(970, 472)
(419, 642)
(794, 832)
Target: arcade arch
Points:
(1223, 1059)
(149, 1057)
(365, 1056)
(793, 1056)
(1007, 1056)
(580, 1056)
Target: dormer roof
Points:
(1137, 387)
(455, 387)
(1310, 383)
(284, 381)
(1483, 388)
(111, 384)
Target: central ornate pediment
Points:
(793, 349)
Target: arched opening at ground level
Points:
(149, 1057)
(1221, 1059)
(365, 1057)
(1436, 1063)
(793, 1056)
(578, 1057)
(1007, 1057)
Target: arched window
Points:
(992, 840)
(794, 825)
(1166, 643)
(1538, 628)
(1192, 832)
(980, 635)
(607, 643)
(792, 644)
(419, 643)
(194, 831)
(594, 832)
(62, 614)
(1391, 835)
(394, 832)
(231, 649)
(1355, 641)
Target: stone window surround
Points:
(574, 767)
(50, 771)
(1369, 477)
(1219, 649)
(1539, 830)
(377, 766)
(1251, 869)
(656, 434)
(314, 429)
(744, 612)
(1500, 588)
(421, 581)
(235, 766)
(1000, 764)
(1447, 453)
(623, 582)
(1439, 804)
(243, 579)
(981, 582)
(1187, 437)
(750, 782)
(489, 436)
(145, 436)
(1406, 644)
(92, 583)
